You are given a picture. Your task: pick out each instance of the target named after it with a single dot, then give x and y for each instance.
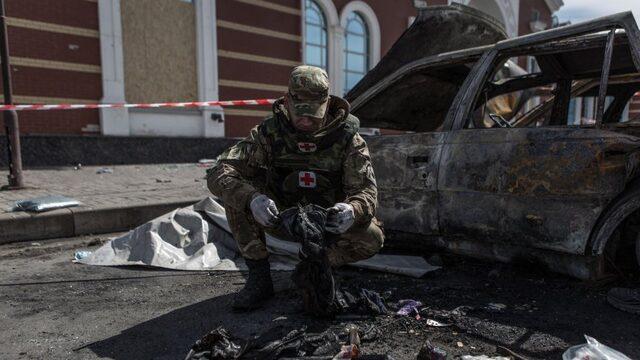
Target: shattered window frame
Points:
(547, 84)
(472, 88)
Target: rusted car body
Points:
(526, 187)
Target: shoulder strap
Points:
(343, 135)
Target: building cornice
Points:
(554, 5)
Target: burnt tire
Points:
(617, 231)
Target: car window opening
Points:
(559, 87)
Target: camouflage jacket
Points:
(331, 165)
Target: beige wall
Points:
(159, 45)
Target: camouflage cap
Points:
(309, 91)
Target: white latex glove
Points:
(340, 218)
(264, 210)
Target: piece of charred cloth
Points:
(217, 344)
(306, 225)
(312, 276)
(364, 302)
(274, 344)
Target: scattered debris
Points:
(436, 323)
(217, 344)
(79, 255)
(431, 352)
(451, 315)
(347, 352)
(279, 343)
(592, 350)
(220, 345)
(104, 171)
(352, 349)
(495, 307)
(459, 344)
(366, 303)
(508, 352)
(354, 334)
(625, 299)
(36, 244)
(409, 307)
(44, 203)
(78, 167)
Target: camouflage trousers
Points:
(358, 243)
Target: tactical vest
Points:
(306, 169)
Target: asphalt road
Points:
(55, 309)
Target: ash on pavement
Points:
(50, 306)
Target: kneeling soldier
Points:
(307, 152)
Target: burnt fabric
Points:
(273, 344)
(306, 225)
(217, 344)
(365, 302)
(315, 281)
(313, 275)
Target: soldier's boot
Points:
(257, 289)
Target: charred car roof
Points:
(418, 95)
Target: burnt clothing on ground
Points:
(313, 275)
(273, 344)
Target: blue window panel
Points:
(352, 79)
(315, 35)
(356, 63)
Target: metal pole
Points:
(16, 180)
(604, 78)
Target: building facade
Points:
(114, 51)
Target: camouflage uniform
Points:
(328, 166)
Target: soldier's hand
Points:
(340, 218)
(264, 210)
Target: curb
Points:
(69, 222)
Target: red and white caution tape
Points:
(142, 106)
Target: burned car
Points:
(494, 166)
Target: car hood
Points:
(398, 93)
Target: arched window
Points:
(356, 50)
(315, 28)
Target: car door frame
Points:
(462, 105)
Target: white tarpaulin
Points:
(198, 238)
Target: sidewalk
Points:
(124, 199)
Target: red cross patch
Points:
(307, 147)
(307, 179)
